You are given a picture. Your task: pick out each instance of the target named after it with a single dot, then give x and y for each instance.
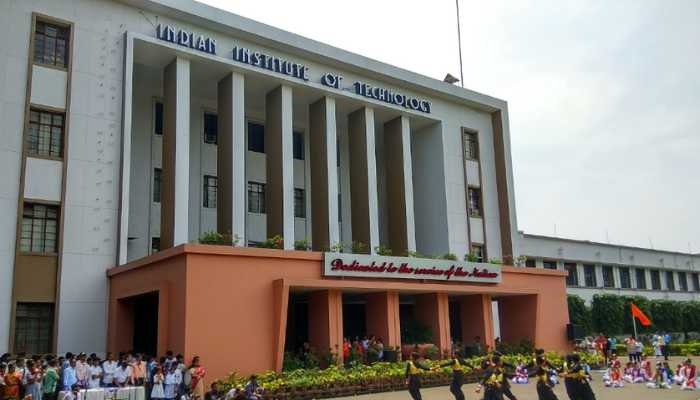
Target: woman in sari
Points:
(197, 372)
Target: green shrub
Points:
(302, 244)
(382, 250)
(449, 256)
(359, 248)
(216, 238)
(579, 313)
(414, 331)
(275, 242)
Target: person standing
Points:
(68, 375)
(158, 393)
(109, 368)
(491, 380)
(457, 362)
(82, 372)
(32, 380)
(413, 371)
(49, 382)
(95, 373)
(12, 380)
(138, 368)
(667, 346)
(197, 372)
(544, 386)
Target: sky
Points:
(603, 97)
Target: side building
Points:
(594, 268)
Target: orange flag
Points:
(637, 313)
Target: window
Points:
(256, 197)
(682, 281)
(45, 133)
(211, 129)
(51, 44)
(155, 245)
(696, 281)
(655, 279)
(549, 264)
(589, 275)
(478, 252)
(625, 279)
(340, 208)
(572, 277)
(298, 145)
(256, 137)
(299, 203)
(157, 172)
(210, 186)
(641, 276)
(530, 263)
(39, 228)
(608, 277)
(158, 118)
(33, 328)
(471, 145)
(474, 206)
(670, 284)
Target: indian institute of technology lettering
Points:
(290, 68)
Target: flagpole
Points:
(634, 326)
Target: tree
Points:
(608, 314)
(579, 313)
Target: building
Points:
(596, 268)
(134, 129)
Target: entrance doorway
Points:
(354, 316)
(297, 332)
(145, 332)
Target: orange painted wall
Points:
(229, 305)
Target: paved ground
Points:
(528, 392)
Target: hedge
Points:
(610, 314)
(676, 349)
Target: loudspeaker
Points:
(574, 332)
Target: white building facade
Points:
(598, 268)
(133, 126)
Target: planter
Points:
(391, 355)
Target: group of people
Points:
(663, 377)
(496, 376)
(42, 378)
(369, 348)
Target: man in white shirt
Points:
(109, 367)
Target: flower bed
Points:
(337, 381)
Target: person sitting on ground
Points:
(679, 375)
(690, 382)
(521, 376)
(645, 369)
(660, 378)
(627, 373)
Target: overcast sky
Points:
(604, 98)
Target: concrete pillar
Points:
(176, 154)
(280, 165)
(230, 162)
(326, 321)
(433, 309)
(363, 178)
(476, 316)
(324, 174)
(382, 313)
(399, 180)
(518, 318)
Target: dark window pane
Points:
(572, 277)
(39, 228)
(210, 191)
(478, 251)
(641, 276)
(33, 328)
(51, 44)
(45, 136)
(299, 203)
(625, 279)
(530, 263)
(211, 129)
(471, 145)
(298, 145)
(670, 283)
(589, 275)
(256, 197)
(256, 137)
(157, 172)
(608, 277)
(549, 264)
(158, 125)
(682, 281)
(474, 206)
(656, 280)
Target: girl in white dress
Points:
(158, 379)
